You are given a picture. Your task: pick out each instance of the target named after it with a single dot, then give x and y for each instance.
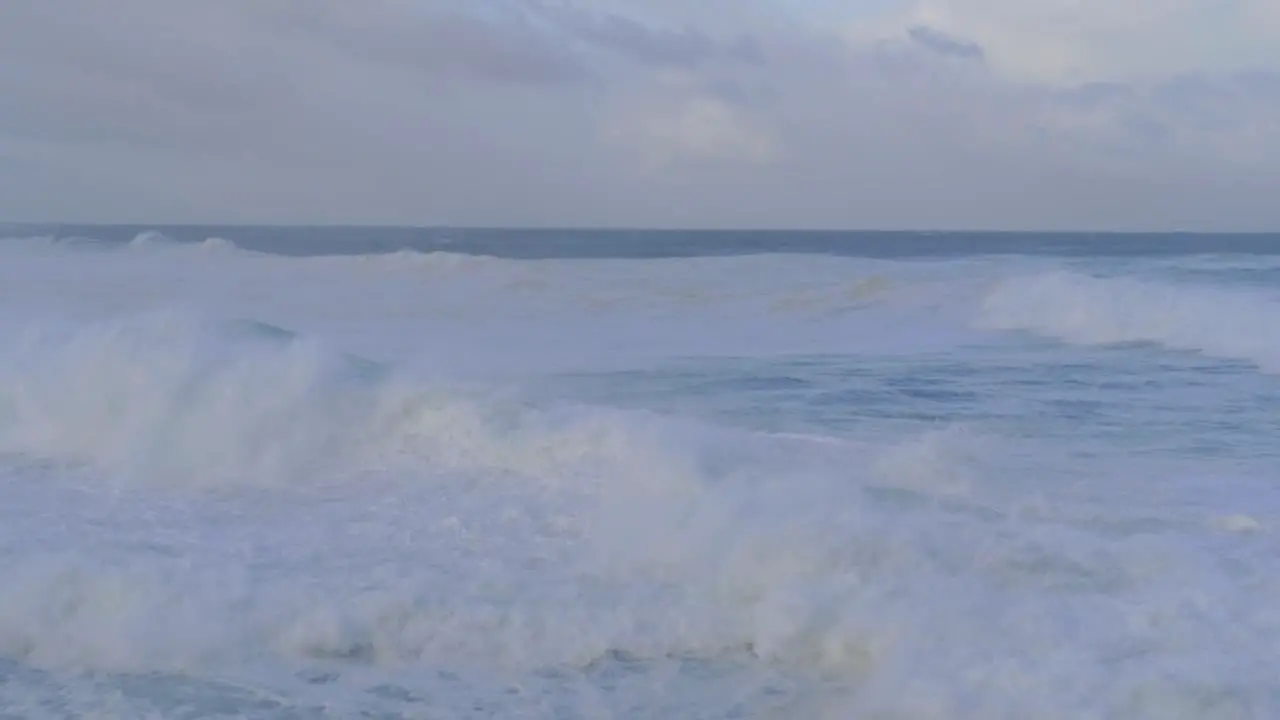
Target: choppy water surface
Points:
(760, 477)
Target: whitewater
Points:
(336, 473)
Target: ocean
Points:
(254, 472)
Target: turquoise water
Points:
(395, 473)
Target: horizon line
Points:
(625, 228)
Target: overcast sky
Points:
(923, 114)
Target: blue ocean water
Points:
(398, 473)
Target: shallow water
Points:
(759, 477)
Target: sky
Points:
(858, 114)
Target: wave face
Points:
(412, 484)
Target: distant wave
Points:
(158, 241)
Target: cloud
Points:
(621, 112)
(1093, 40)
(508, 49)
(685, 47)
(944, 44)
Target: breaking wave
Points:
(1226, 323)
